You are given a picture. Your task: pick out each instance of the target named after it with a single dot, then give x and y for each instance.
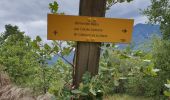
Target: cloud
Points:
(31, 15)
(24, 10)
(70, 7)
(129, 10)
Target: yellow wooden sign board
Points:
(89, 29)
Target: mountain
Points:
(141, 33)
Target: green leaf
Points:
(66, 51)
(54, 7)
(55, 48)
(120, 1)
(168, 81)
(38, 39)
(108, 45)
(116, 83)
(83, 94)
(166, 93)
(109, 1)
(35, 45)
(47, 47)
(93, 92)
(76, 91)
(86, 77)
(129, 0)
(168, 86)
(106, 54)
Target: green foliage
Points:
(46, 75)
(1, 39)
(64, 47)
(17, 56)
(133, 70)
(157, 72)
(161, 52)
(26, 63)
(91, 88)
(116, 68)
(112, 2)
(167, 93)
(1, 68)
(159, 13)
(119, 72)
(9, 31)
(126, 97)
(60, 80)
(53, 7)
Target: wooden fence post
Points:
(88, 53)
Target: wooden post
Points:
(88, 54)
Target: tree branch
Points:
(61, 56)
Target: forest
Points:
(124, 73)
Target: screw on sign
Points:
(124, 30)
(55, 32)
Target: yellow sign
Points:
(89, 29)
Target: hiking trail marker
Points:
(89, 29)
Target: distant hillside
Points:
(55, 58)
(141, 33)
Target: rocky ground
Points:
(12, 92)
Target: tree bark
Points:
(88, 53)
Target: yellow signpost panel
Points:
(89, 29)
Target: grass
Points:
(126, 97)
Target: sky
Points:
(31, 15)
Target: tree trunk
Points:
(88, 54)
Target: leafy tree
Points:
(159, 13)
(17, 57)
(9, 31)
(26, 62)
(120, 72)
(87, 88)
(45, 53)
(1, 39)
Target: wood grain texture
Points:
(88, 54)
